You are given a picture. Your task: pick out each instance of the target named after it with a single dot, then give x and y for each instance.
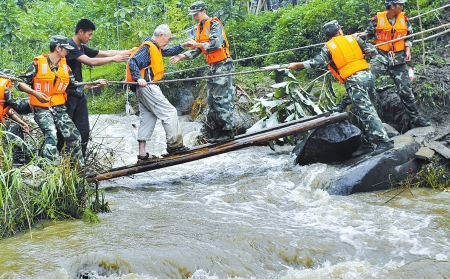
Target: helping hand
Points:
(142, 82)
(408, 54)
(26, 129)
(121, 58)
(42, 97)
(191, 43)
(101, 82)
(176, 58)
(291, 66)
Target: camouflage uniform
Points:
(21, 153)
(395, 67)
(359, 86)
(220, 90)
(53, 119)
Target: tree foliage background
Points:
(27, 26)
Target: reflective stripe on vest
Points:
(156, 63)
(347, 55)
(51, 84)
(385, 32)
(202, 36)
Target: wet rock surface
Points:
(431, 88)
(333, 142)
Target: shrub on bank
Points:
(29, 193)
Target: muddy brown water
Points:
(246, 214)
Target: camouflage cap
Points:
(393, 2)
(61, 41)
(197, 7)
(6, 72)
(331, 28)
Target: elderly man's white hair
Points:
(161, 29)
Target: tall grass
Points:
(41, 191)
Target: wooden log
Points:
(237, 143)
(209, 145)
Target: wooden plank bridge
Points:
(242, 141)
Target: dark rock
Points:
(242, 120)
(378, 172)
(186, 98)
(391, 132)
(330, 143)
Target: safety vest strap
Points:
(386, 32)
(51, 84)
(202, 36)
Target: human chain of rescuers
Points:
(54, 82)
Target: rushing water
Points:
(244, 214)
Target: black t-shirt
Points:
(72, 61)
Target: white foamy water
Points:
(249, 213)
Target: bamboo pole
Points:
(216, 149)
(423, 41)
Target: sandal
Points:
(145, 158)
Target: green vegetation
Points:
(29, 194)
(59, 193)
(434, 175)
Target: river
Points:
(250, 213)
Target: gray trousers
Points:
(153, 105)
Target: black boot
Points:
(382, 147)
(420, 122)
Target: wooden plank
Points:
(424, 153)
(208, 150)
(209, 145)
(439, 148)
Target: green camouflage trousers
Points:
(56, 119)
(359, 87)
(20, 151)
(220, 96)
(379, 66)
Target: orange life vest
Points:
(385, 32)
(51, 84)
(347, 56)
(202, 36)
(4, 83)
(156, 63)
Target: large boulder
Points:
(366, 173)
(380, 172)
(330, 143)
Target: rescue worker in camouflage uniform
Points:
(11, 121)
(386, 26)
(51, 80)
(212, 41)
(344, 56)
(145, 65)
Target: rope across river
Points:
(264, 69)
(304, 47)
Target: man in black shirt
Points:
(81, 54)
